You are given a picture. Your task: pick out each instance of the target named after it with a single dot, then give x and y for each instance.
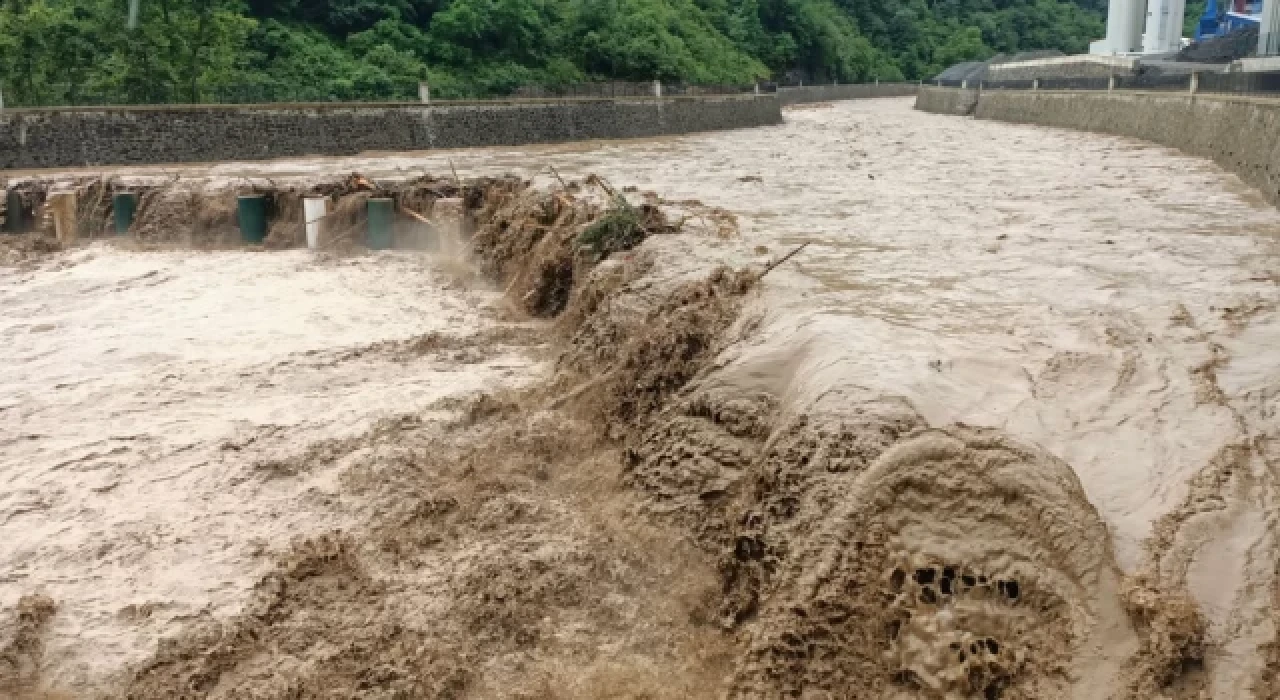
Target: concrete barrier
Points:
(957, 101)
(828, 93)
(55, 138)
(62, 208)
(1241, 134)
(1079, 66)
(314, 210)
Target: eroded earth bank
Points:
(1005, 427)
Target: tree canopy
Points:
(81, 52)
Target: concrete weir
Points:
(1240, 134)
(827, 93)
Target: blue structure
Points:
(1209, 24)
(1242, 14)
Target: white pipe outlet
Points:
(314, 209)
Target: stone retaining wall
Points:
(53, 138)
(1250, 147)
(940, 100)
(827, 93)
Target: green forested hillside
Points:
(80, 51)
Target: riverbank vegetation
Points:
(82, 52)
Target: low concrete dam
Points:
(1004, 426)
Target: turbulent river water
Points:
(1111, 302)
(1076, 290)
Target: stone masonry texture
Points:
(54, 138)
(826, 93)
(940, 100)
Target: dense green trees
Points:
(80, 51)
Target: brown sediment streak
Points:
(1223, 525)
(22, 646)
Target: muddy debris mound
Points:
(490, 567)
(186, 216)
(861, 550)
(958, 564)
(22, 646)
(541, 244)
(635, 357)
(318, 583)
(863, 554)
(529, 242)
(23, 248)
(751, 479)
(1173, 635)
(460, 348)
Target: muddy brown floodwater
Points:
(1032, 373)
(152, 401)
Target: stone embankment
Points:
(1241, 134)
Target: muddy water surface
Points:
(1109, 301)
(1085, 292)
(154, 407)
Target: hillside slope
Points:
(81, 51)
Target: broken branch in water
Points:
(557, 174)
(603, 184)
(768, 268)
(414, 215)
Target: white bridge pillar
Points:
(1124, 26)
(1125, 19)
(1269, 29)
(1164, 26)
